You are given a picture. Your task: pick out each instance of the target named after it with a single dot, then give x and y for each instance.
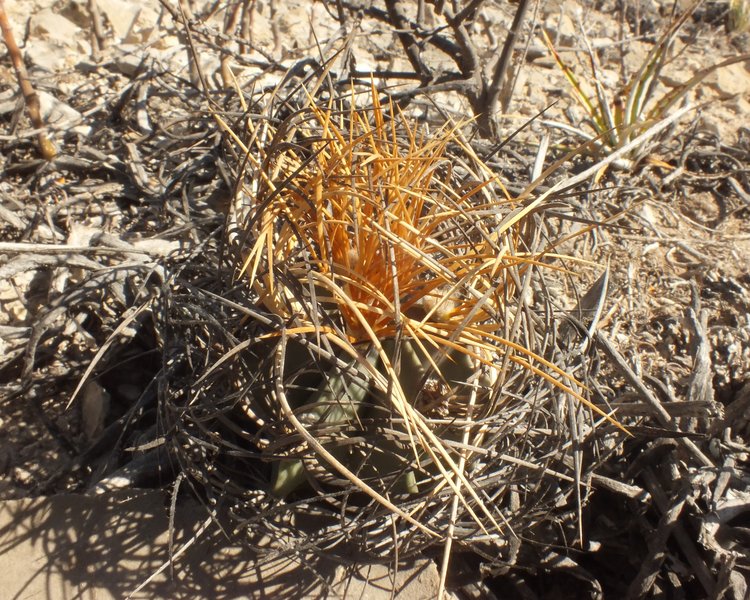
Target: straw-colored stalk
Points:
(738, 19)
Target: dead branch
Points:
(484, 91)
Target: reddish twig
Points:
(46, 147)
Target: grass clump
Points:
(615, 119)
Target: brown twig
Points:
(46, 147)
(403, 29)
(499, 75)
(484, 93)
(99, 39)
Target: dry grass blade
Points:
(126, 322)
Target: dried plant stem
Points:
(488, 94)
(46, 147)
(454, 503)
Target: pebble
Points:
(94, 409)
(128, 60)
(22, 476)
(61, 116)
(121, 15)
(732, 80)
(47, 23)
(49, 55)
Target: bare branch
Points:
(404, 30)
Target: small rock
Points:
(121, 16)
(157, 246)
(147, 28)
(50, 55)
(741, 106)
(128, 60)
(47, 23)
(562, 23)
(94, 409)
(418, 581)
(22, 476)
(9, 100)
(60, 116)
(166, 42)
(81, 235)
(78, 12)
(732, 80)
(566, 29)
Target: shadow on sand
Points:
(107, 546)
